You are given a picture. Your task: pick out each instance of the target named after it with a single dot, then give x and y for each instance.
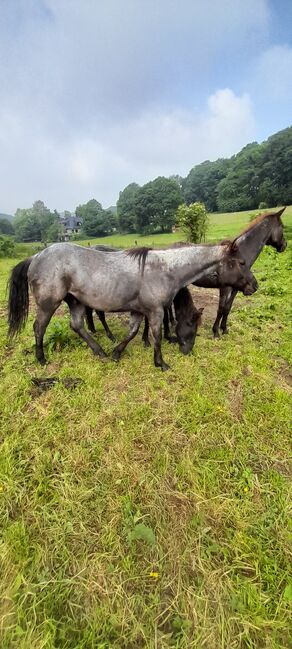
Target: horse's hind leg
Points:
(77, 311)
(136, 319)
(105, 325)
(145, 335)
(43, 317)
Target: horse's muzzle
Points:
(251, 287)
(282, 246)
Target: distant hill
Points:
(9, 217)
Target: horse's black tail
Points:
(18, 301)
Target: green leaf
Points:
(143, 533)
(288, 592)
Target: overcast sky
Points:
(95, 94)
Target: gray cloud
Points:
(97, 94)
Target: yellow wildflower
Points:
(154, 575)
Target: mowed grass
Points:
(150, 509)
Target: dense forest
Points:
(259, 176)
(259, 173)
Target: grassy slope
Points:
(198, 456)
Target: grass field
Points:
(149, 509)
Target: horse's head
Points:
(277, 239)
(186, 331)
(235, 272)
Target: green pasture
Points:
(142, 509)
(221, 226)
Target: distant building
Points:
(71, 225)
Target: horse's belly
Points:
(107, 293)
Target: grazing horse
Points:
(264, 230)
(141, 280)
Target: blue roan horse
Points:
(142, 281)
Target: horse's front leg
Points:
(155, 321)
(223, 297)
(167, 334)
(89, 319)
(226, 310)
(135, 321)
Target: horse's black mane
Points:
(103, 248)
(140, 254)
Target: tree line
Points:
(260, 175)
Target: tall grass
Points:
(142, 509)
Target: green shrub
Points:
(7, 247)
(193, 220)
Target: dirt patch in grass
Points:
(208, 298)
(286, 373)
(235, 398)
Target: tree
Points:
(34, 224)
(156, 204)
(126, 208)
(96, 222)
(6, 227)
(193, 220)
(202, 182)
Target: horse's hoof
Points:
(225, 332)
(165, 367)
(112, 338)
(42, 361)
(216, 334)
(147, 343)
(116, 356)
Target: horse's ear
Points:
(233, 247)
(201, 309)
(278, 214)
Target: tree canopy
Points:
(6, 226)
(126, 208)
(258, 173)
(156, 204)
(96, 222)
(35, 223)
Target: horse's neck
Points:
(251, 243)
(189, 264)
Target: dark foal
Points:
(188, 318)
(168, 317)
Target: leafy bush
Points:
(7, 247)
(263, 205)
(194, 221)
(58, 336)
